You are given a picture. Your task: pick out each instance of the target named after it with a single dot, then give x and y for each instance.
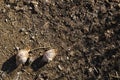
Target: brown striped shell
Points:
(49, 55)
(22, 56)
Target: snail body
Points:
(49, 55)
(22, 56)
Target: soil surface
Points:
(85, 32)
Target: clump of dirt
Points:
(86, 34)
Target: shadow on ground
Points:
(9, 65)
(38, 63)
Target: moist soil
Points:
(86, 34)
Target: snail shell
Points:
(22, 56)
(49, 55)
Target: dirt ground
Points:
(85, 32)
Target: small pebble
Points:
(119, 5)
(6, 20)
(68, 58)
(26, 33)
(8, 6)
(17, 48)
(34, 2)
(60, 68)
(3, 75)
(90, 69)
(40, 77)
(22, 30)
(47, 1)
(72, 53)
(35, 5)
(32, 37)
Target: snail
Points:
(22, 56)
(49, 55)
